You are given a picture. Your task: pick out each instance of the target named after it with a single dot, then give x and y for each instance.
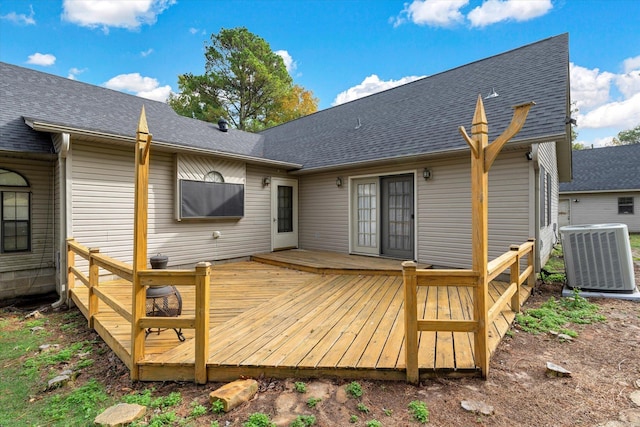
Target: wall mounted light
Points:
(529, 155)
(576, 200)
(426, 174)
(339, 181)
(266, 181)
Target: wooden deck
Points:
(282, 322)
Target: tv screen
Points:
(199, 199)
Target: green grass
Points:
(634, 239)
(558, 315)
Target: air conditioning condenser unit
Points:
(598, 258)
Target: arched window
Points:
(15, 212)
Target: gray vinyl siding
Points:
(602, 208)
(33, 272)
(443, 208)
(103, 196)
(548, 235)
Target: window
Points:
(545, 197)
(625, 205)
(15, 212)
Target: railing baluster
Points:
(411, 321)
(94, 278)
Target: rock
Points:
(554, 370)
(235, 393)
(637, 383)
(34, 314)
(341, 395)
(635, 397)
(477, 407)
(120, 414)
(36, 329)
(45, 347)
(630, 416)
(58, 381)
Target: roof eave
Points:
(42, 126)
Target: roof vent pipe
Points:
(223, 125)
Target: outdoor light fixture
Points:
(576, 200)
(529, 155)
(339, 181)
(426, 174)
(266, 181)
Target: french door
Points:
(382, 220)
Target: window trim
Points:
(15, 189)
(625, 203)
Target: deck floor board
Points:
(281, 321)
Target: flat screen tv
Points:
(199, 199)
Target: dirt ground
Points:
(604, 360)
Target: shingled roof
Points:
(419, 118)
(34, 96)
(423, 116)
(605, 169)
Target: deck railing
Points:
(414, 277)
(136, 316)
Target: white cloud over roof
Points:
(447, 13)
(369, 86)
(43, 59)
(145, 87)
(494, 11)
(606, 99)
(130, 14)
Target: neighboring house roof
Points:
(420, 118)
(605, 169)
(423, 117)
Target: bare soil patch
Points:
(604, 360)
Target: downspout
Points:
(536, 202)
(62, 221)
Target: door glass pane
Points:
(285, 209)
(367, 202)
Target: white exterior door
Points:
(365, 202)
(284, 213)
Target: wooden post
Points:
(94, 277)
(480, 235)
(515, 278)
(71, 262)
(483, 155)
(411, 321)
(203, 281)
(143, 142)
(531, 262)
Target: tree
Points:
(626, 137)
(245, 82)
(578, 146)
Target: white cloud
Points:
(493, 11)
(73, 72)
(436, 13)
(288, 60)
(20, 18)
(618, 114)
(146, 53)
(130, 14)
(370, 85)
(589, 88)
(44, 59)
(631, 64)
(145, 87)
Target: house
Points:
(605, 188)
(384, 176)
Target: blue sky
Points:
(340, 50)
